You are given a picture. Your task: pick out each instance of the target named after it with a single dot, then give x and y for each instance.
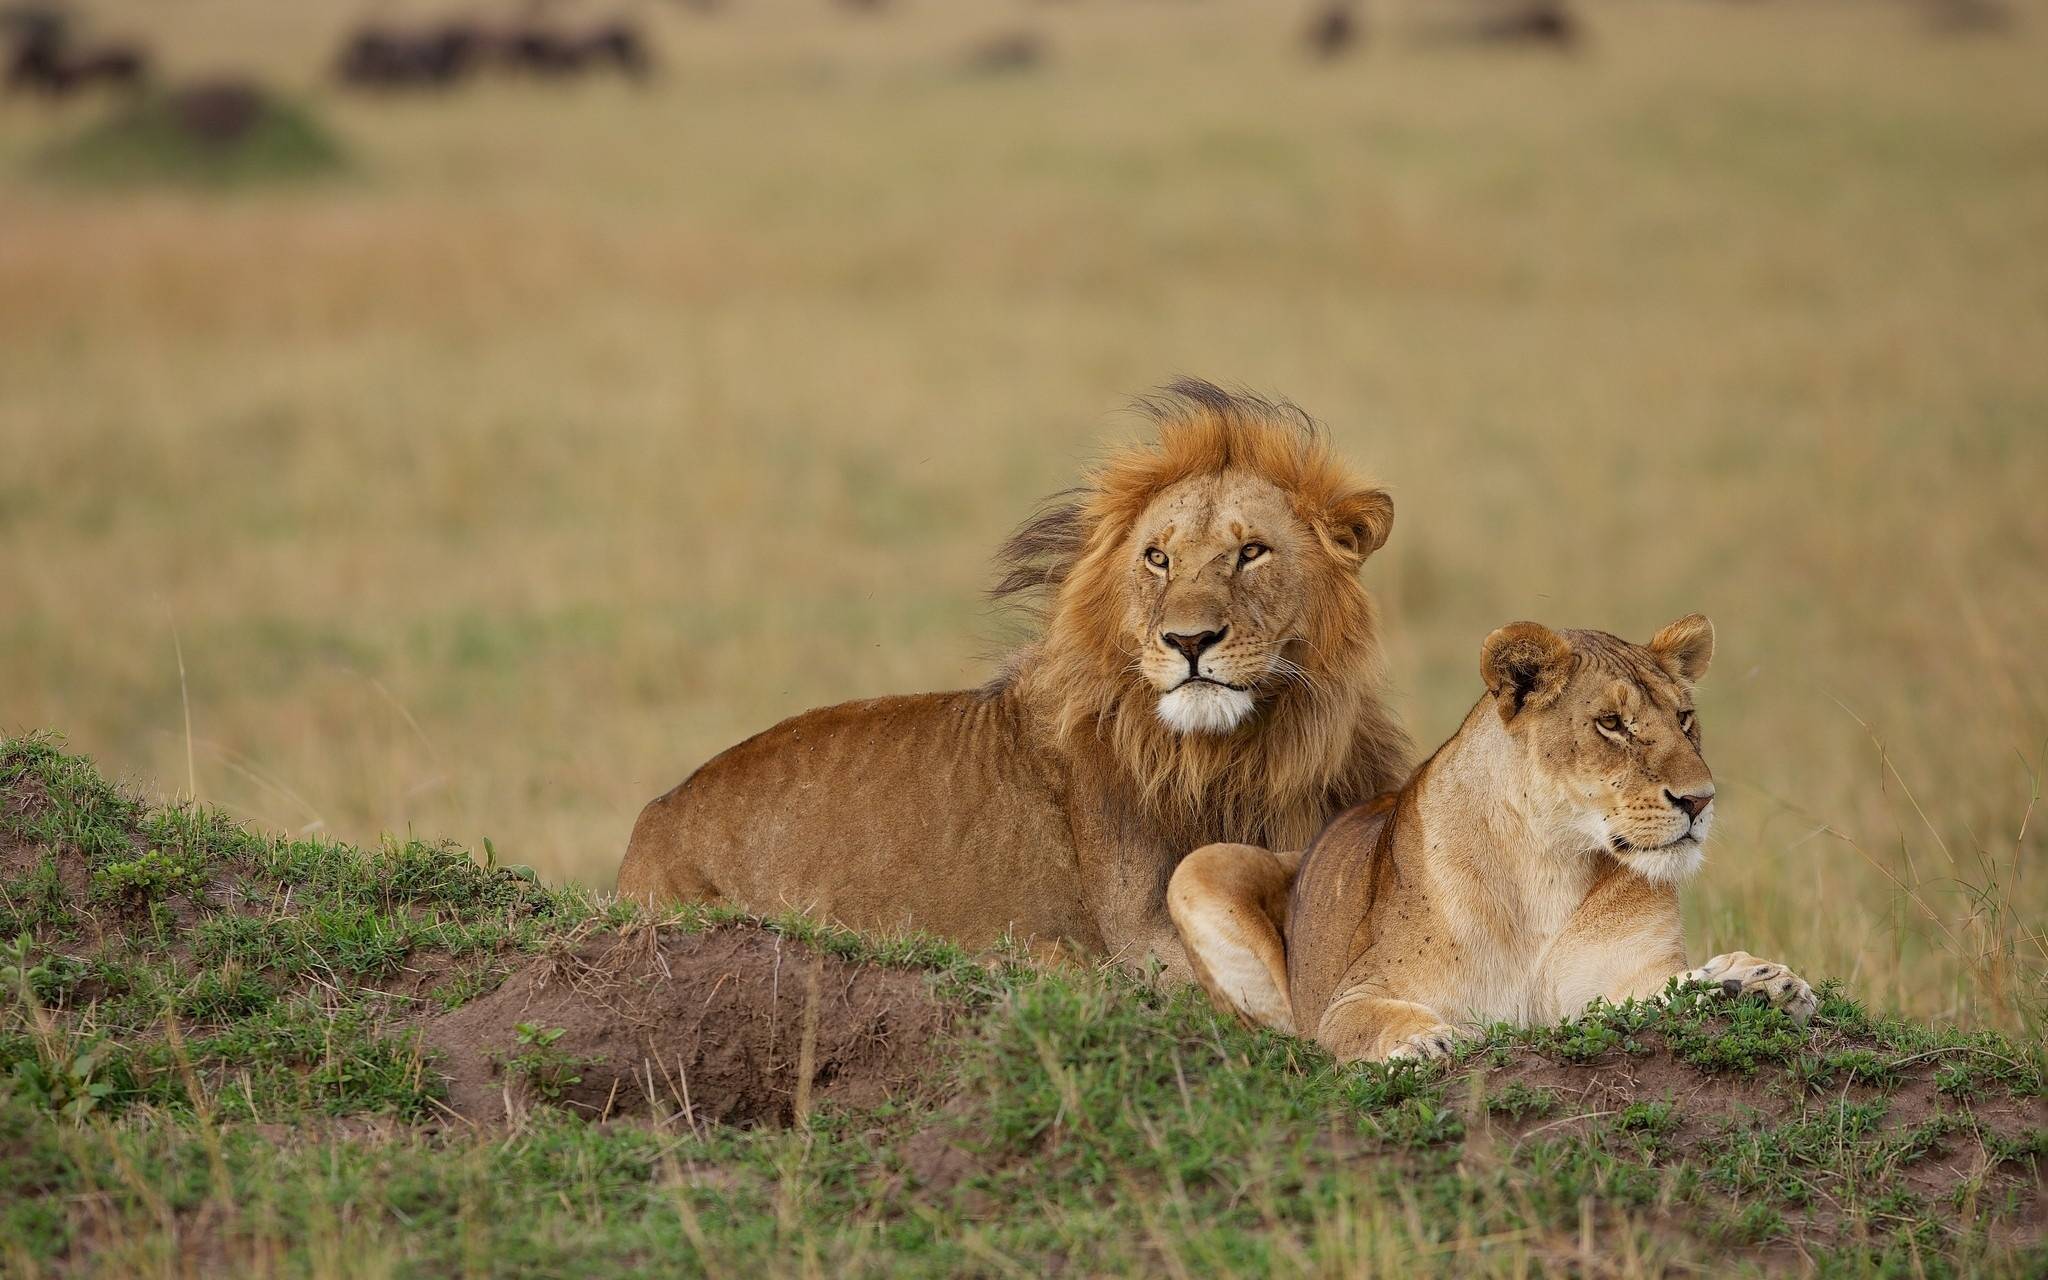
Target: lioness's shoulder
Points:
(1331, 904)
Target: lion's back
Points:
(927, 809)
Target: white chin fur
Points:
(1669, 865)
(1198, 707)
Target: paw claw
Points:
(1738, 974)
(1425, 1046)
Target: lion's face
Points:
(1220, 573)
(1609, 728)
(1206, 637)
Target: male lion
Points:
(1209, 669)
(1529, 866)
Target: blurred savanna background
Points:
(474, 459)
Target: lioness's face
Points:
(1220, 570)
(1615, 734)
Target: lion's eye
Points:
(1609, 722)
(1251, 551)
(1155, 557)
(1685, 723)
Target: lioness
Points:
(1209, 669)
(1529, 866)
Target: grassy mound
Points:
(211, 134)
(230, 1052)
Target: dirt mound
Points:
(1710, 1102)
(736, 1025)
(1940, 1149)
(219, 132)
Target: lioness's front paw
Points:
(1430, 1045)
(1741, 974)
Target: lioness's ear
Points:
(1524, 665)
(1685, 647)
(1359, 522)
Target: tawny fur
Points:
(1528, 867)
(1053, 804)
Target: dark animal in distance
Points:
(548, 52)
(1018, 51)
(1333, 31)
(1544, 22)
(1967, 17)
(45, 61)
(382, 57)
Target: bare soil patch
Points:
(736, 1026)
(1709, 1106)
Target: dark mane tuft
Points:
(1189, 397)
(1038, 555)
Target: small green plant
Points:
(1858, 1066)
(1519, 1100)
(63, 1082)
(223, 995)
(1377, 1085)
(1756, 1222)
(466, 984)
(1744, 1038)
(35, 901)
(2029, 1148)
(1582, 1041)
(548, 1069)
(1418, 1122)
(42, 980)
(1653, 1118)
(1958, 1080)
(137, 882)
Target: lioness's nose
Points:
(1694, 804)
(1193, 644)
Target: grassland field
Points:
(575, 432)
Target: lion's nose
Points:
(1192, 644)
(1694, 804)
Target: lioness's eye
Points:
(1685, 723)
(1251, 551)
(1609, 722)
(1155, 557)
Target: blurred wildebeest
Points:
(44, 61)
(541, 50)
(620, 44)
(555, 53)
(23, 21)
(1018, 51)
(1968, 17)
(1333, 31)
(1538, 22)
(383, 57)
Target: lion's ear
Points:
(1686, 647)
(1524, 665)
(1360, 521)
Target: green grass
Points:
(232, 1073)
